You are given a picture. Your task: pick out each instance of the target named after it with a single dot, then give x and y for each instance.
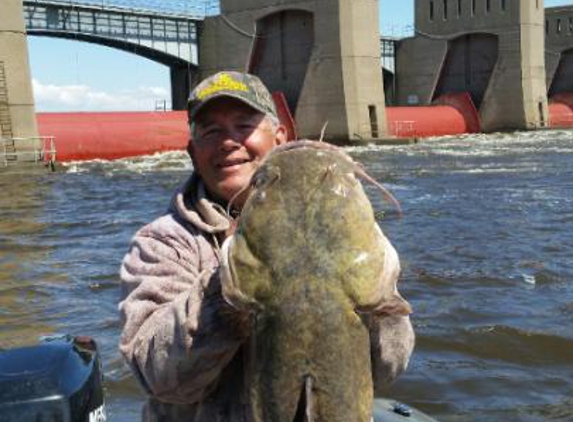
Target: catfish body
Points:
(306, 261)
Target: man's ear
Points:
(281, 135)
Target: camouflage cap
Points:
(242, 86)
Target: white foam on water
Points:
(482, 145)
(158, 162)
(360, 149)
(500, 170)
(453, 147)
(73, 168)
(529, 279)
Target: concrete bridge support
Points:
(17, 114)
(181, 81)
(323, 54)
(491, 49)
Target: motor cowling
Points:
(59, 380)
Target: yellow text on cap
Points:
(223, 83)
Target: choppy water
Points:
(486, 244)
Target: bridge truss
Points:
(165, 38)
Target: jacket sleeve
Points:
(391, 336)
(178, 333)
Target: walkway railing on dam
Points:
(37, 149)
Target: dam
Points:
(471, 66)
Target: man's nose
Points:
(231, 140)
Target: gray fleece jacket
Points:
(183, 341)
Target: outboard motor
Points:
(59, 380)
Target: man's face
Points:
(231, 140)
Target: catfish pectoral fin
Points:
(229, 289)
(397, 305)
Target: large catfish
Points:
(305, 262)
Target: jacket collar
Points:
(192, 204)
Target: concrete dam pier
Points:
(323, 55)
(492, 50)
(18, 129)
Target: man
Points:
(181, 339)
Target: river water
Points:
(486, 244)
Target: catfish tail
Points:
(305, 408)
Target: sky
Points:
(79, 76)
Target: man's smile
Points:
(231, 163)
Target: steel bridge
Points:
(162, 38)
(163, 31)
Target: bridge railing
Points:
(404, 129)
(36, 149)
(195, 8)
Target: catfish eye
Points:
(265, 176)
(258, 179)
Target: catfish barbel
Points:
(306, 262)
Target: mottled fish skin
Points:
(305, 261)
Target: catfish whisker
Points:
(389, 197)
